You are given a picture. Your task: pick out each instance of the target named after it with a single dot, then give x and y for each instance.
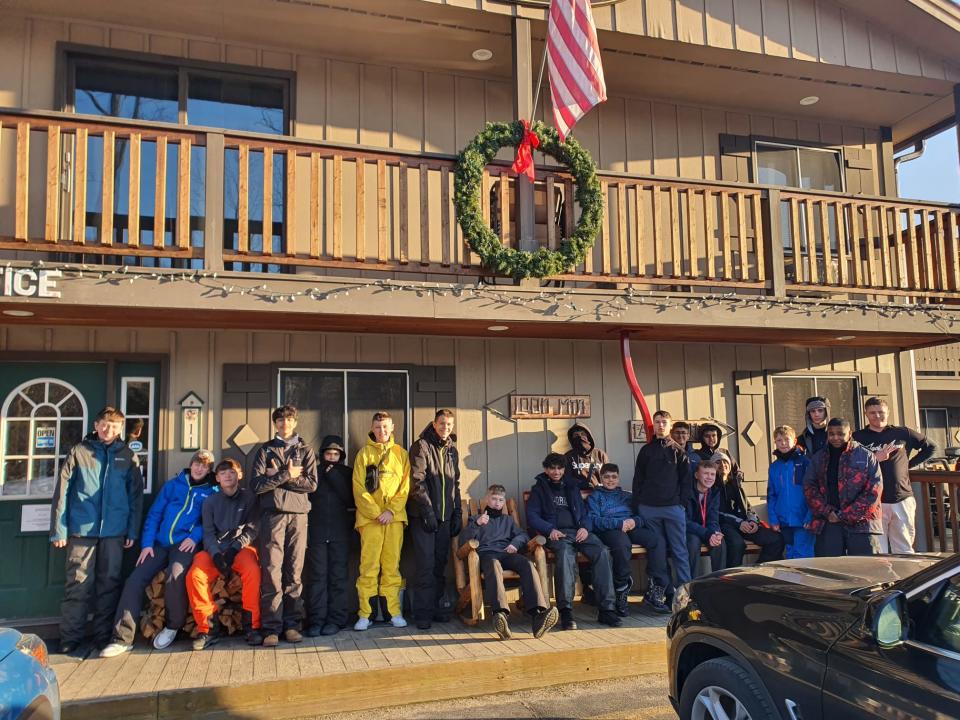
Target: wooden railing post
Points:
(773, 244)
(213, 207)
(523, 108)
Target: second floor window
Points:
(797, 166)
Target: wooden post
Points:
(213, 211)
(523, 108)
(773, 245)
(888, 172)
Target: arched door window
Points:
(39, 423)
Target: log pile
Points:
(226, 594)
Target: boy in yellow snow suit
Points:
(381, 483)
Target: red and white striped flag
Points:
(573, 55)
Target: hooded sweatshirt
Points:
(662, 475)
(391, 464)
(542, 505)
(332, 506)
(813, 439)
(434, 476)
(584, 458)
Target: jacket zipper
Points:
(443, 486)
(173, 525)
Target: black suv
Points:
(830, 638)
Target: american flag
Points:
(573, 55)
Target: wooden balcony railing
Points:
(938, 509)
(242, 201)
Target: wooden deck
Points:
(333, 674)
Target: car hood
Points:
(843, 574)
(8, 641)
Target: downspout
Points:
(634, 385)
(918, 150)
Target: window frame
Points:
(4, 420)
(797, 146)
(151, 418)
(855, 422)
(69, 53)
(344, 371)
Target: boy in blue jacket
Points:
(171, 533)
(615, 523)
(703, 518)
(787, 509)
(556, 509)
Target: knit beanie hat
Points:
(721, 454)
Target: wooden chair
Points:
(466, 564)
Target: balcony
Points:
(196, 198)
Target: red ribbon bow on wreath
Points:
(523, 163)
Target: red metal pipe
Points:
(632, 382)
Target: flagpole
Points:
(536, 94)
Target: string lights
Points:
(561, 303)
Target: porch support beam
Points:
(523, 86)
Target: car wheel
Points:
(720, 689)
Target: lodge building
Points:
(211, 208)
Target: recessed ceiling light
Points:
(846, 337)
(18, 313)
(498, 328)
(809, 100)
(482, 54)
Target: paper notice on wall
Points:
(35, 518)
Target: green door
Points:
(45, 408)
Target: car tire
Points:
(721, 689)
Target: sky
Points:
(935, 175)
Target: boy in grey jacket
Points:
(501, 543)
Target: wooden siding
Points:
(810, 30)
(690, 380)
(942, 358)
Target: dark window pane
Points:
(36, 392)
(46, 411)
(235, 103)
(43, 477)
(789, 400)
(933, 424)
(131, 92)
(14, 478)
(777, 165)
(842, 393)
(57, 392)
(18, 437)
(20, 407)
(319, 398)
(72, 408)
(138, 398)
(369, 392)
(820, 170)
(71, 432)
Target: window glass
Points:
(137, 405)
(820, 170)
(941, 624)
(126, 91)
(933, 424)
(790, 393)
(368, 392)
(235, 103)
(319, 399)
(777, 165)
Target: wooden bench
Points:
(466, 564)
(637, 551)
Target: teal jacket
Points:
(99, 492)
(176, 513)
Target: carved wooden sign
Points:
(540, 407)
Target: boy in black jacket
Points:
(662, 487)
(556, 509)
(329, 525)
(501, 543)
(284, 473)
(434, 513)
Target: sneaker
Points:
(609, 617)
(330, 629)
(566, 620)
(292, 635)
(621, 602)
(271, 640)
(656, 599)
(314, 631)
(543, 621)
(204, 640)
(501, 625)
(254, 638)
(398, 621)
(362, 624)
(114, 649)
(164, 638)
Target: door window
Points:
(137, 406)
(341, 402)
(42, 420)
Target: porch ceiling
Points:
(444, 309)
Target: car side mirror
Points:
(886, 618)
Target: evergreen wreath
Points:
(468, 180)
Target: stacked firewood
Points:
(226, 594)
